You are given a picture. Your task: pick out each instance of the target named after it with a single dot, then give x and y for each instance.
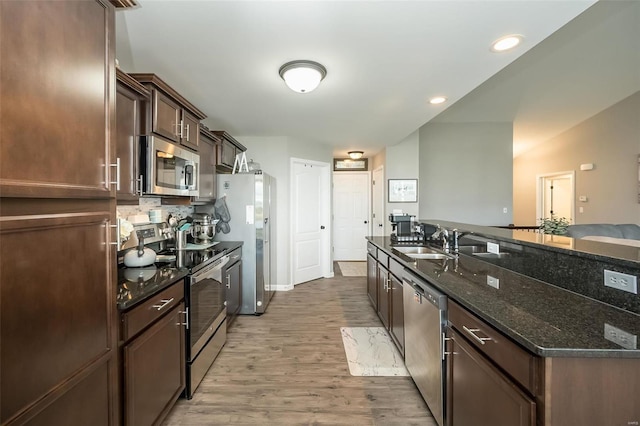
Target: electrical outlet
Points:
(505, 210)
(620, 337)
(493, 282)
(620, 281)
(493, 248)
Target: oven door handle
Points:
(211, 272)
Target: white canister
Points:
(155, 216)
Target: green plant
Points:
(554, 225)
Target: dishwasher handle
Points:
(427, 292)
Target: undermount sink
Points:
(420, 252)
(416, 250)
(429, 256)
(481, 251)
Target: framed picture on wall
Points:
(403, 190)
(349, 165)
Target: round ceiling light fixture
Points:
(302, 76)
(506, 43)
(355, 155)
(437, 100)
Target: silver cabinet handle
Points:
(471, 331)
(228, 281)
(389, 285)
(186, 318)
(187, 133)
(444, 352)
(107, 228)
(179, 128)
(163, 303)
(117, 181)
(139, 185)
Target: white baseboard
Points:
(283, 287)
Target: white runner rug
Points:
(370, 352)
(353, 269)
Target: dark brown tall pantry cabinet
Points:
(57, 214)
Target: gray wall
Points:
(611, 141)
(274, 155)
(402, 163)
(466, 172)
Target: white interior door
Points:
(310, 203)
(377, 202)
(556, 195)
(351, 221)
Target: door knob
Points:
(321, 226)
(380, 225)
(366, 221)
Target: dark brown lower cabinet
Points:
(479, 394)
(397, 312)
(233, 280)
(383, 295)
(153, 353)
(372, 281)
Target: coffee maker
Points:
(402, 226)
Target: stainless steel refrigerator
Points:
(250, 199)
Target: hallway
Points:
(288, 367)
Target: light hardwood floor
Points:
(288, 367)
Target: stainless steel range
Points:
(205, 296)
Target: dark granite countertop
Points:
(138, 284)
(543, 318)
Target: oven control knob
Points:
(259, 303)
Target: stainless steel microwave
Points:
(168, 169)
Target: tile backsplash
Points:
(147, 203)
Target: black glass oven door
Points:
(206, 304)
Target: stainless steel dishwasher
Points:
(425, 311)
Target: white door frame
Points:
(375, 231)
(368, 203)
(540, 192)
(325, 203)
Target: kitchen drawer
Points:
(140, 316)
(372, 250)
(235, 256)
(383, 258)
(396, 268)
(517, 362)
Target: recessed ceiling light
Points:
(437, 100)
(506, 43)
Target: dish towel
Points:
(221, 212)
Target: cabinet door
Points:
(227, 153)
(234, 291)
(58, 311)
(397, 312)
(127, 142)
(383, 295)
(481, 395)
(190, 131)
(207, 187)
(372, 281)
(57, 108)
(154, 370)
(166, 116)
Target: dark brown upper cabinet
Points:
(169, 114)
(130, 98)
(208, 185)
(227, 150)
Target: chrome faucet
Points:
(444, 235)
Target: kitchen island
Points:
(557, 357)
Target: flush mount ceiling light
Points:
(506, 43)
(302, 76)
(355, 155)
(437, 100)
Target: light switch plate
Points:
(493, 282)
(493, 248)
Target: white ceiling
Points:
(384, 60)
